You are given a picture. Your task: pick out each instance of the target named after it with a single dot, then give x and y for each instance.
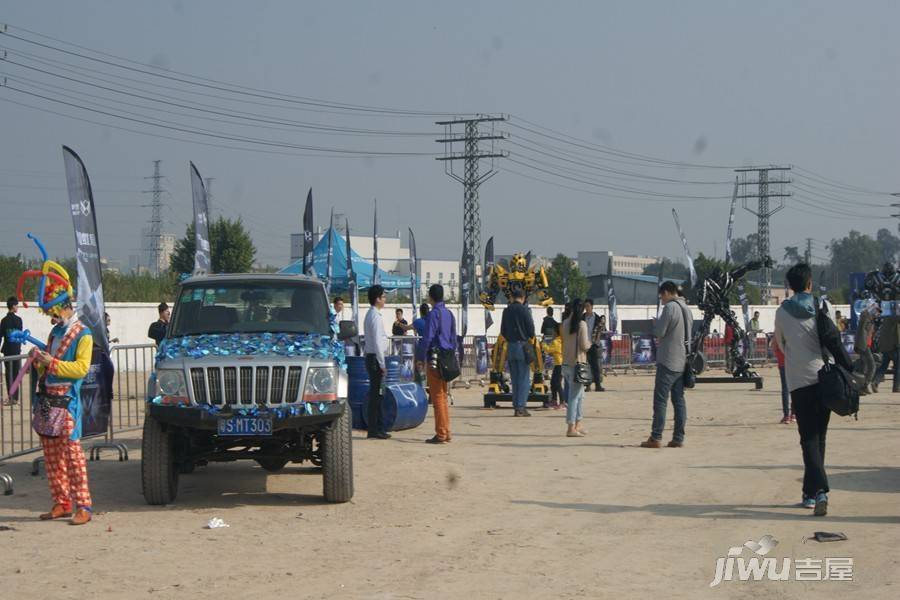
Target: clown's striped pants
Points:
(66, 470)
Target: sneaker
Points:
(651, 443)
(808, 502)
(675, 444)
(793, 418)
(786, 420)
(821, 504)
(524, 413)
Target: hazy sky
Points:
(815, 84)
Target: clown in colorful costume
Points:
(62, 369)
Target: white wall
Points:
(130, 320)
(626, 313)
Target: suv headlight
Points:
(171, 382)
(321, 384)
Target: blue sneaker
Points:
(821, 504)
(808, 502)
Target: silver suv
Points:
(251, 368)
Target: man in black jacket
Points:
(11, 322)
(157, 331)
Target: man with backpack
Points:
(439, 335)
(804, 333)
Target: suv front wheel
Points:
(159, 474)
(336, 443)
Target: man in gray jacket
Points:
(671, 356)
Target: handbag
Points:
(528, 352)
(50, 415)
(583, 374)
(688, 377)
(447, 362)
(837, 389)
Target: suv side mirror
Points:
(347, 330)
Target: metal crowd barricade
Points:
(619, 353)
(133, 365)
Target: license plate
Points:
(239, 426)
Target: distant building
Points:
(148, 260)
(593, 263)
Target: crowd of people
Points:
(805, 337)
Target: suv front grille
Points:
(244, 386)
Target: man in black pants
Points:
(798, 325)
(11, 322)
(376, 346)
(593, 355)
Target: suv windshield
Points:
(251, 307)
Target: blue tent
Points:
(362, 268)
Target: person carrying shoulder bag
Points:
(437, 347)
(802, 332)
(576, 342)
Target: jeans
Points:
(785, 395)
(812, 423)
(574, 411)
(374, 420)
(593, 359)
(668, 382)
(867, 360)
(519, 374)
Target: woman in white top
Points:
(576, 343)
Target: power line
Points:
(323, 128)
(212, 83)
(207, 133)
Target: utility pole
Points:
(471, 180)
(766, 188)
(155, 232)
(897, 206)
(807, 256)
(209, 196)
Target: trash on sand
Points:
(7, 528)
(216, 523)
(825, 536)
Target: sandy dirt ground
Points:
(510, 509)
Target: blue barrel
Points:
(392, 370)
(358, 390)
(404, 406)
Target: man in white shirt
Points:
(376, 346)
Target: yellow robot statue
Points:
(519, 274)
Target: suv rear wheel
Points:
(337, 459)
(159, 474)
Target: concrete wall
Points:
(131, 320)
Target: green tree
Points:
(792, 255)
(855, 252)
(671, 269)
(564, 272)
(231, 248)
(890, 245)
(744, 249)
